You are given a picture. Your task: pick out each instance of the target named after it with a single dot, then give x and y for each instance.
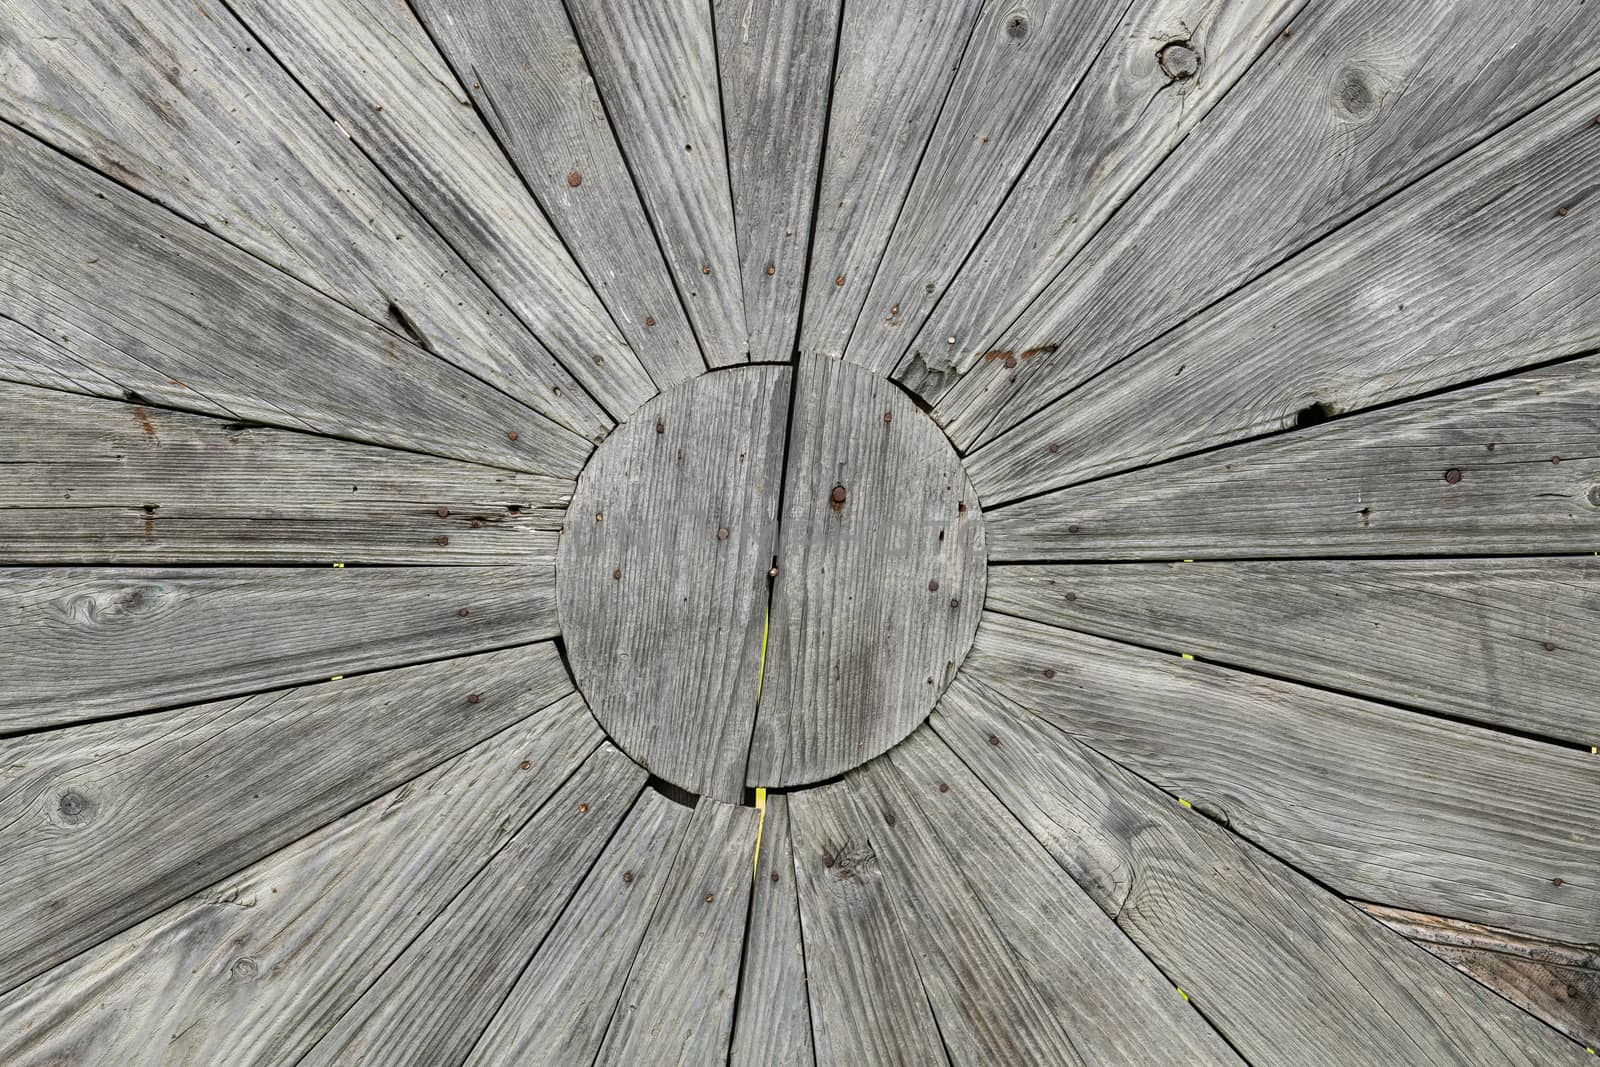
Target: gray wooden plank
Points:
(157, 806)
(563, 1002)
(179, 102)
(775, 62)
(1378, 803)
(526, 72)
(1357, 104)
(773, 1022)
(431, 1005)
(96, 481)
(1508, 642)
(1287, 971)
(1498, 468)
(698, 928)
(254, 969)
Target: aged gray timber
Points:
(773, 1024)
(1379, 803)
(257, 967)
(157, 806)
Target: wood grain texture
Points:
(95, 481)
(526, 73)
(1284, 969)
(1378, 803)
(775, 64)
(254, 969)
(1501, 468)
(773, 1022)
(123, 818)
(1508, 642)
(177, 101)
(1359, 103)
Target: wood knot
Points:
(1179, 61)
(1017, 27)
(1355, 97)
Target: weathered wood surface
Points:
(94, 482)
(530, 81)
(433, 1002)
(177, 101)
(1356, 105)
(773, 1022)
(1500, 468)
(877, 594)
(1509, 642)
(1287, 971)
(106, 824)
(1376, 802)
(254, 969)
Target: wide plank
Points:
(772, 1025)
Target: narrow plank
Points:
(256, 968)
(1283, 968)
(1508, 642)
(773, 1022)
(180, 103)
(1378, 803)
(1357, 104)
(106, 824)
(1476, 471)
(697, 928)
(98, 481)
(432, 1004)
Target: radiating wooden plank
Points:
(526, 73)
(773, 1024)
(95, 481)
(1497, 468)
(255, 968)
(563, 1002)
(1499, 641)
(1379, 803)
(664, 1016)
(1356, 105)
(178, 101)
(431, 1005)
(1287, 971)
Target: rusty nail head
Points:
(1074, 528)
(1556, 882)
(574, 179)
(583, 809)
(443, 513)
(709, 898)
(722, 533)
(1549, 646)
(706, 269)
(771, 270)
(994, 740)
(839, 280)
(661, 426)
(616, 572)
(472, 698)
(837, 496)
(441, 540)
(772, 572)
(526, 764)
(511, 435)
(774, 876)
(888, 416)
(475, 523)
(1452, 476)
(599, 516)
(1561, 212)
(955, 602)
(627, 876)
(933, 585)
(944, 787)
(649, 322)
(1049, 672)
(463, 612)
(1052, 448)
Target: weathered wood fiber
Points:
(179, 102)
(95, 481)
(887, 582)
(1287, 971)
(106, 824)
(112, 288)
(256, 968)
(654, 62)
(1510, 642)
(1357, 104)
(431, 1005)
(677, 1005)
(775, 62)
(563, 1002)
(1120, 124)
(1480, 268)
(896, 61)
(1501, 467)
(1376, 802)
(370, 65)
(525, 71)
(773, 1024)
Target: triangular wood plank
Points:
(104, 825)
(773, 1024)
(1379, 803)
(1287, 971)
(256, 968)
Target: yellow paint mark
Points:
(1187, 656)
(337, 678)
(339, 566)
(1182, 994)
(761, 806)
(1188, 561)
(761, 677)
(1185, 803)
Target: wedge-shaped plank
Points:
(563, 1002)
(773, 1025)
(177, 101)
(1379, 803)
(1497, 468)
(104, 825)
(256, 968)
(1356, 105)
(432, 1004)
(1283, 968)
(526, 72)
(95, 481)
(1510, 642)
